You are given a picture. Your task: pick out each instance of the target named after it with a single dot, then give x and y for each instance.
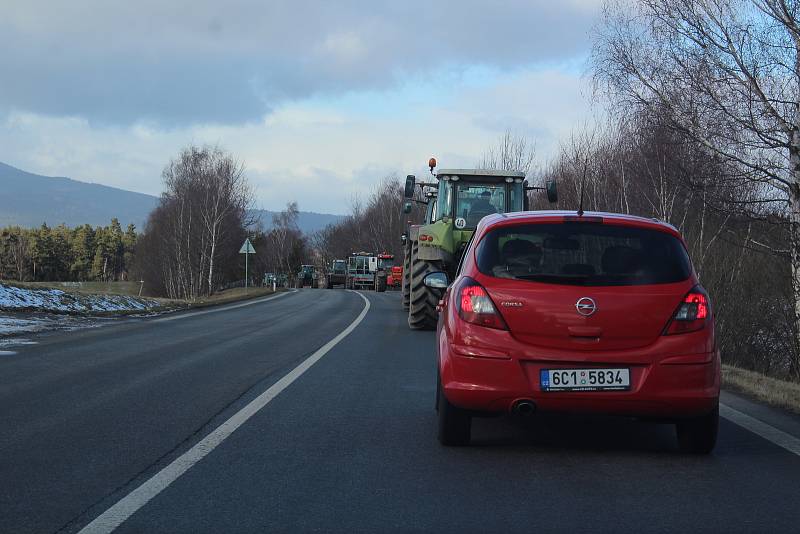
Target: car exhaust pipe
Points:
(524, 407)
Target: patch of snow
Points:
(25, 323)
(55, 300)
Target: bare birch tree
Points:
(195, 232)
(511, 152)
(725, 73)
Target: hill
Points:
(28, 200)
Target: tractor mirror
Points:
(407, 207)
(404, 238)
(552, 191)
(436, 280)
(409, 190)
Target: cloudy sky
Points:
(320, 99)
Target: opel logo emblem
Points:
(586, 306)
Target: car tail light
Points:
(692, 315)
(476, 307)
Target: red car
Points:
(599, 313)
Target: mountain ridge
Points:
(29, 200)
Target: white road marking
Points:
(7, 353)
(109, 520)
(760, 428)
(224, 308)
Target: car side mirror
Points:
(436, 280)
(552, 191)
(409, 190)
(407, 207)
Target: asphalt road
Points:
(89, 416)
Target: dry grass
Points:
(86, 288)
(232, 295)
(132, 289)
(772, 391)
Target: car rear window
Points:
(581, 253)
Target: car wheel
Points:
(698, 435)
(454, 423)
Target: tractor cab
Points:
(339, 266)
(465, 196)
(385, 261)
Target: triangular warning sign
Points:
(247, 247)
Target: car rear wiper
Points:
(577, 280)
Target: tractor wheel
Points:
(422, 313)
(328, 283)
(405, 286)
(380, 285)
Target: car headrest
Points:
(520, 247)
(621, 260)
(578, 268)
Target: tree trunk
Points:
(211, 261)
(794, 230)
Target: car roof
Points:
(557, 216)
(479, 172)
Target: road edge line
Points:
(222, 308)
(760, 428)
(117, 514)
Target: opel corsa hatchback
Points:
(599, 313)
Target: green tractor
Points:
(463, 197)
(429, 194)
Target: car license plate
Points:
(585, 379)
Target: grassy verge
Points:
(131, 289)
(227, 296)
(232, 295)
(771, 391)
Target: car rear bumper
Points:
(665, 389)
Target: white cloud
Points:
(318, 153)
(198, 61)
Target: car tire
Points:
(422, 314)
(698, 435)
(455, 424)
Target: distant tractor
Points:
(463, 198)
(361, 270)
(384, 277)
(337, 275)
(307, 276)
(394, 273)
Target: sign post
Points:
(247, 249)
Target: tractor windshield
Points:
(339, 266)
(385, 263)
(476, 201)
